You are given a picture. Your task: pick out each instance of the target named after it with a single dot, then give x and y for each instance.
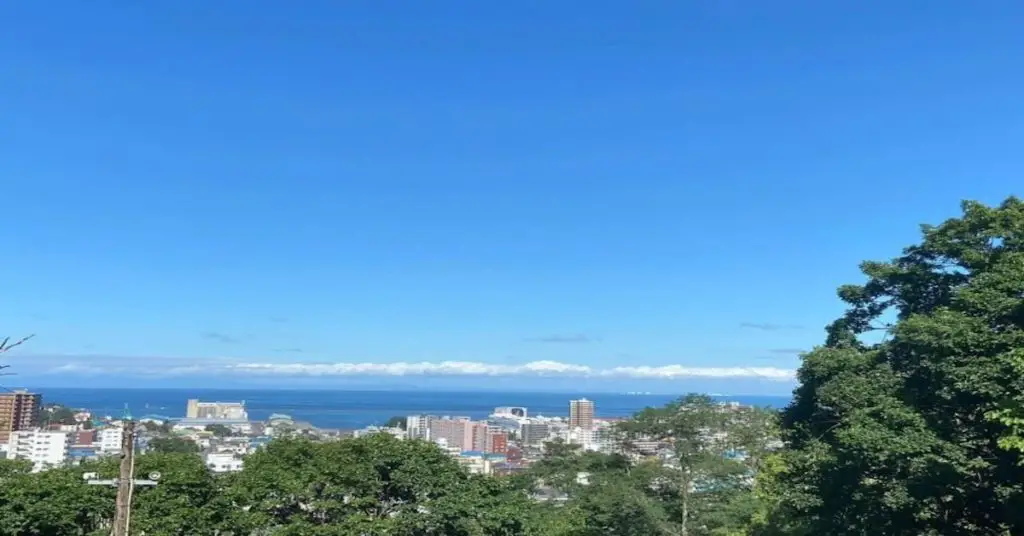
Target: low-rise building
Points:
(108, 440)
(223, 462)
(396, 432)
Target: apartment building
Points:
(418, 426)
(109, 439)
(452, 431)
(581, 414)
(43, 448)
(19, 410)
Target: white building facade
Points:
(109, 439)
(223, 462)
(45, 449)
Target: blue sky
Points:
(194, 188)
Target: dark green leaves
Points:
(919, 431)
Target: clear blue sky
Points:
(591, 183)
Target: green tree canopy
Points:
(907, 420)
(397, 421)
(219, 430)
(704, 456)
(167, 445)
(375, 484)
(58, 414)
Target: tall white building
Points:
(43, 448)
(109, 439)
(418, 426)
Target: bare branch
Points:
(4, 347)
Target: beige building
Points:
(581, 414)
(452, 431)
(234, 411)
(19, 410)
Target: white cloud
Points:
(109, 365)
(533, 368)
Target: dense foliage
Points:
(218, 430)
(397, 421)
(168, 445)
(58, 414)
(908, 420)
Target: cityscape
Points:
(509, 440)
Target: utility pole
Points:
(125, 482)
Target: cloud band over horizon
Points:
(427, 368)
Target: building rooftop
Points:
(203, 422)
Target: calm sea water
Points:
(356, 409)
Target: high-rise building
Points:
(581, 414)
(497, 442)
(476, 436)
(19, 410)
(534, 433)
(418, 426)
(452, 431)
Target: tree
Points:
(564, 463)
(704, 457)
(168, 445)
(59, 414)
(219, 430)
(397, 422)
(57, 502)
(614, 506)
(187, 500)
(375, 484)
(54, 502)
(908, 419)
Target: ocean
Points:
(357, 409)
